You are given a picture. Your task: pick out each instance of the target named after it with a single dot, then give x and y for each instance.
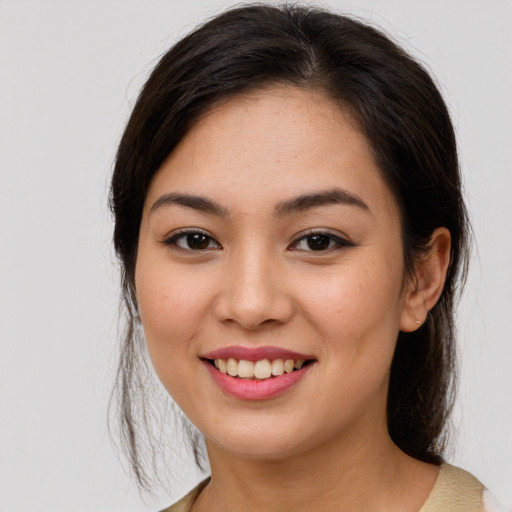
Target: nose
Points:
(254, 293)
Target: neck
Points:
(364, 472)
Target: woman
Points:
(292, 234)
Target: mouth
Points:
(261, 369)
(257, 373)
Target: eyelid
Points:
(340, 239)
(170, 239)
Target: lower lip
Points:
(246, 389)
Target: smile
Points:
(256, 373)
(260, 370)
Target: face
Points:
(269, 235)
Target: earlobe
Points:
(427, 284)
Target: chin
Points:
(266, 443)
(259, 449)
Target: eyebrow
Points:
(199, 203)
(296, 204)
(314, 200)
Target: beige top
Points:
(455, 490)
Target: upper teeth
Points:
(257, 369)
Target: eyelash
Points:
(334, 241)
(184, 233)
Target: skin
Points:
(324, 443)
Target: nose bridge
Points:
(253, 294)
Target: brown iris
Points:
(198, 241)
(318, 242)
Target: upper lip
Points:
(255, 353)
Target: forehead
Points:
(271, 143)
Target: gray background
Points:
(69, 73)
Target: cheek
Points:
(357, 312)
(355, 298)
(172, 307)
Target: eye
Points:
(321, 241)
(193, 241)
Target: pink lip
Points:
(247, 389)
(254, 353)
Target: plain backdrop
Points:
(69, 74)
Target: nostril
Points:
(253, 304)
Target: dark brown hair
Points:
(397, 106)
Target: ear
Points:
(427, 283)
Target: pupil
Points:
(318, 242)
(197, 241)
